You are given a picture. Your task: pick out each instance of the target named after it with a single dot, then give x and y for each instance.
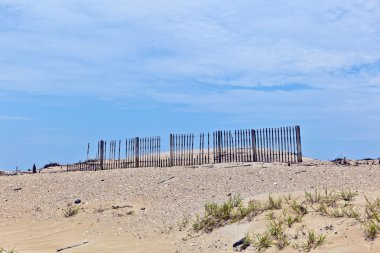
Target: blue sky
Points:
(76, 71)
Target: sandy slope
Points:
(133, 210)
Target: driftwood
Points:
(163, 181)
(121, 207)
(73, 246)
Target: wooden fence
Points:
(189, 149)
(263, 145)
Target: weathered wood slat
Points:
(208, 148)
(258, 145)
(298, 138)
(287, 145)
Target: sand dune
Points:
(139, 210)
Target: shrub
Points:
(51, 165)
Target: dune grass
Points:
(2, 250)
(227, 213)
(283, 213)
(371, 229)
(262, 242)
(313, 241)
(232, 211)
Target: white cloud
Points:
(119, 48)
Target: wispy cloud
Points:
(114, 46)
(185, 53)
(364, 69)
(14, 117)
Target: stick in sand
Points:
(73, 246)
(163, 181)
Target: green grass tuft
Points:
(273, 203)
(247, 241)
(313, 240)
(277, 232)
(262, 242)
(371, 229)
(347, 195)
(372, 209)
(71, 211)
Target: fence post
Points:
(88, 150)
(137, 144)
(220, 146)
(253, 139)
(208, 148)
(171, 151)
(213, 147)
(101, 154)
(159, 148)
(298, 139)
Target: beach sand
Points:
(141, 209)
